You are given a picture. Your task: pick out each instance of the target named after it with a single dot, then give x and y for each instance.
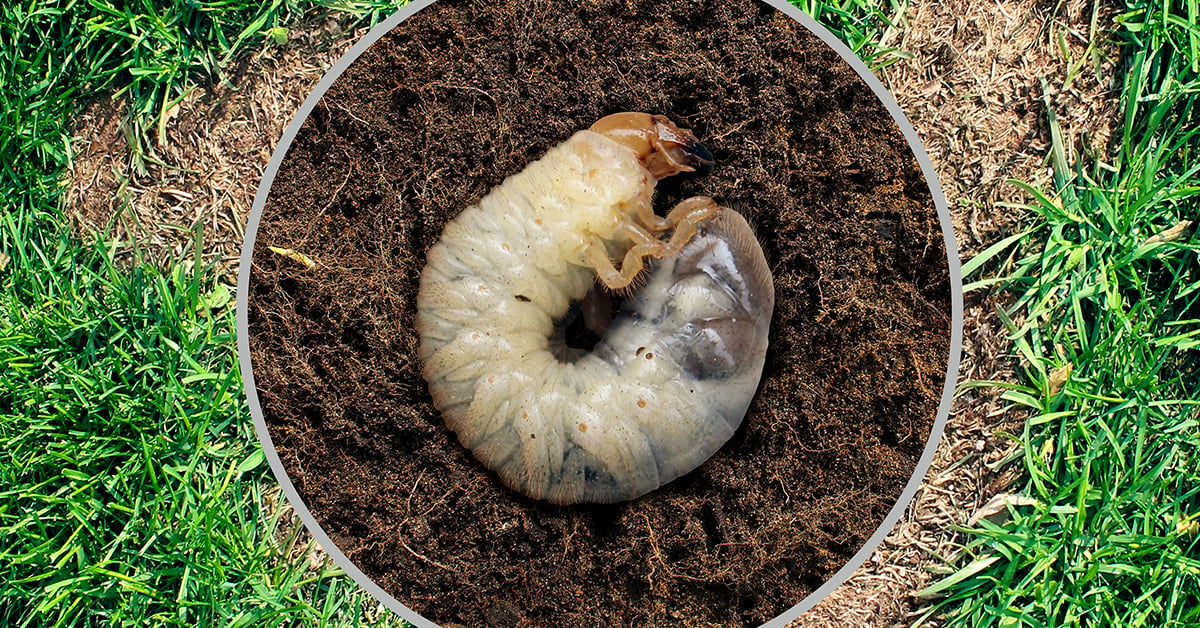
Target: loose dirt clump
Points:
(463, 95)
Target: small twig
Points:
(414, 490)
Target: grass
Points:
(1105, 317)
(867, 27)
(132, 487)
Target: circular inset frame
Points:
(782, 490)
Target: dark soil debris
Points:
(464, 94)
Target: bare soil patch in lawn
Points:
(158, 199)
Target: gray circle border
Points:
(956, 331)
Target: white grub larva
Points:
(670, 380)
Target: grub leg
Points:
(685, 216)
(608, 274)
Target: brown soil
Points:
(447, 106)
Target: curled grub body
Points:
(672, 377)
